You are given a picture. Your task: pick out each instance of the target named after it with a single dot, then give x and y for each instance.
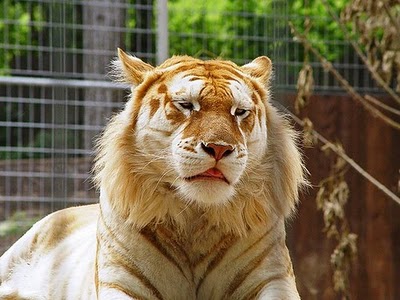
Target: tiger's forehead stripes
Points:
(182, 88)
(198, 68)
(196, 85)
(212, 86)
(181, 71)
(242, 94)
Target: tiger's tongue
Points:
(213, 172)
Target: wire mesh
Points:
(55, 97)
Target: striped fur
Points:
(197, 175)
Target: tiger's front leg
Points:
(115, 279)
(117, 276)
(123, 278)
(279, 284)
(137, 264)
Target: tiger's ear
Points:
(130, 69)
(260, 68)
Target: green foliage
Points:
(219, 28)
(44, 138)
(12, 33)
(324, 33)
(48, 138)
(244, 29)
(130, 23)
(17, 225)
(16, 29)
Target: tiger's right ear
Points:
(130, 69)
(260, 69)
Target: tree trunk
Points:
(103, 20)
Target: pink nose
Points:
(217, 151)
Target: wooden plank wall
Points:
(373, 217)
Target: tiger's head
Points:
(198, 133)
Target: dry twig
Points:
(382, 105)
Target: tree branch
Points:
(373, 73)
(328, 65)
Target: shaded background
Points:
(56, 96)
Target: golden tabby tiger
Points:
(196, 175)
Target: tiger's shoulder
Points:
(63, 237)
(58, 226)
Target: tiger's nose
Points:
(217, 151)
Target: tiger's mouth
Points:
(212, 174)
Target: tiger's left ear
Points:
(130, 69)
(260, 68)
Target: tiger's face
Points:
(198, 139)
(201, 123)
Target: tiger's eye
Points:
(186, 105)
(240, 112)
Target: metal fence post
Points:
(162, 31)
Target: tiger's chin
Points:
(206, 191)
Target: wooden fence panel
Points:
(372, 216)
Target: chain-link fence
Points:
(55, 95)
